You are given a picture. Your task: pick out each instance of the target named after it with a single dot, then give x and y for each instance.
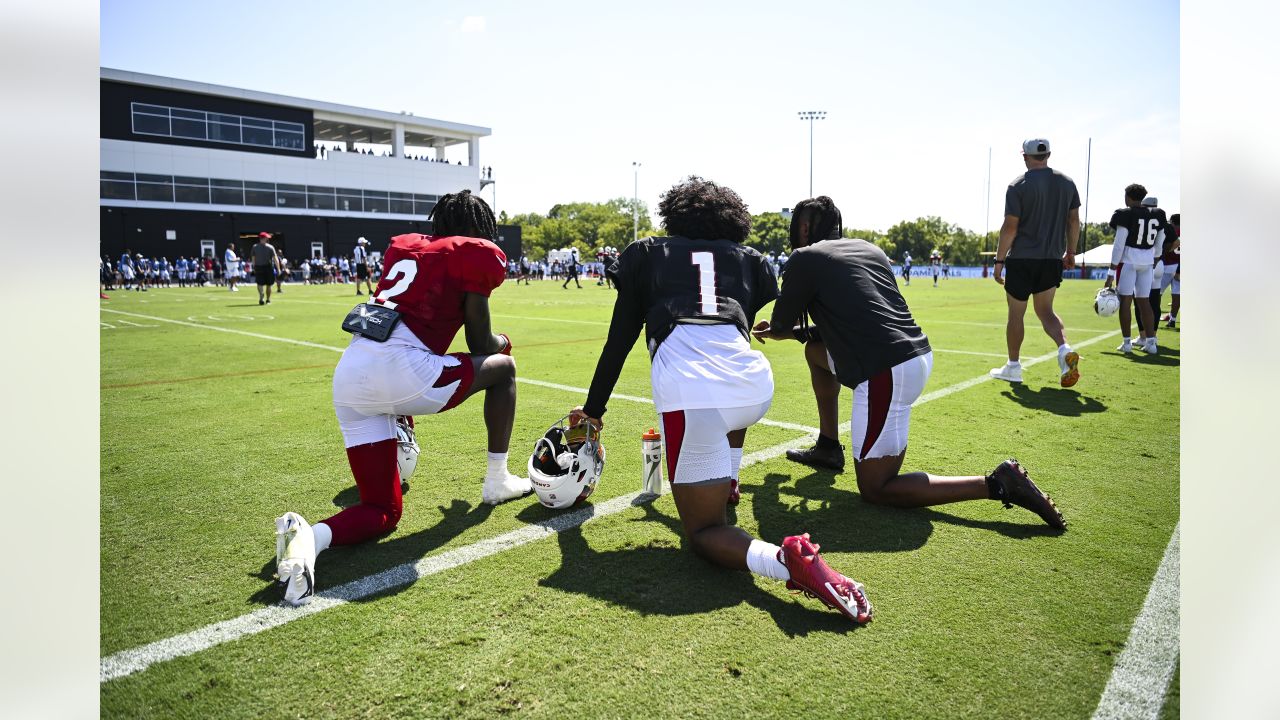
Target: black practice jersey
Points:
(677, 280)
(1143, 223)
(664, 282)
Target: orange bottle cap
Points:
(651, 435)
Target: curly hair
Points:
(1135, 192)
(700, 209)
(823, 217)
(462, 213)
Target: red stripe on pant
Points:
(378, 479)
(879, 395)
(673, 435)
(465, 372)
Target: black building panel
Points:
(116, 116)
(145, 230)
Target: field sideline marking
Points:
(1140, 678)
(128, 662)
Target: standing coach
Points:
(1037, 242)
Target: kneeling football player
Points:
(398, 366)
(696, 293)
(866, 339)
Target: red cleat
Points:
(735, 493)
(811, 575)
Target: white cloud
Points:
(473, 24)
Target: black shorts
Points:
(1026, 277)
(264, 274)
(362, 271)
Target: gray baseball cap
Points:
(1035, 146)
(1149, 201)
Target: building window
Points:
(116, 190)
(258, 193)
(217, 127)
(205, 191)
(226, 192)
(402, 203)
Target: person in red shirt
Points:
(437, 284)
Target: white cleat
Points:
(1008, 371)
(1126, 347)
(295, 558)
(1149, 347)
(500, 490)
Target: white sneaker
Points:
(1126, 347)
(500, 490)
(1149, 347)
(295, 558)
(1008, 371)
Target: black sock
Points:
(994, 489)
(826, 443)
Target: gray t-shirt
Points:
(1040, 199)
(262, 254)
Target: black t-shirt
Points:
(1143, 223)
(664, 282)
(847, 286)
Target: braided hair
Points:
(825, 223)
(823, 217)
(701, 209)
(462, 213)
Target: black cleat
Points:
(1016, 488)
(816, 457)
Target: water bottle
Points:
(651, 448)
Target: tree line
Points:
(589, 226)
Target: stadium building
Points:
(188, 168)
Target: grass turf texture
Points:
(981, 611)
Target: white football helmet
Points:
(1106, 302)
(566, 464)
(406, 448)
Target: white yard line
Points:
(1142, 673)
(128, 662)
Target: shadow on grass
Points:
(345, 563)
(667, 578)
(840, 521)
(836, 518)
(1059, 401)
(1167, 357)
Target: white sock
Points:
(324, 536)
(1063, 349)
(1127, 341)
(1014, 363)
(497, 465)
(762, 559)
(735, 461)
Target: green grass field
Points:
(980, 611)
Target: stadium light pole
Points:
(811, 115)
(987, 234)
(635, 203)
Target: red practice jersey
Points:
(427, 278)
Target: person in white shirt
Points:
(231, 263)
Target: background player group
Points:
(695, 294)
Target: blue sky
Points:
(916, 92)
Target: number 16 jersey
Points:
(427, 279)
